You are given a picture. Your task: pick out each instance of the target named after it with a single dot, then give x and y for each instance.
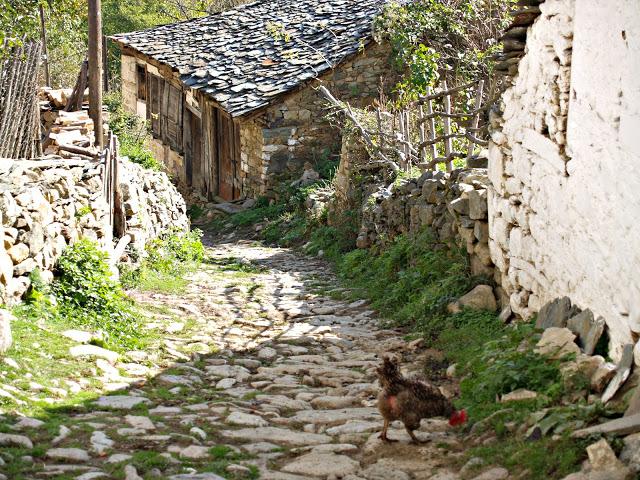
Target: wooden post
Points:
(447, 130)
(95, 70)
(476, 119)
(45, 57)
(423, 150)
(403, 164)
(105, 66)
(432, 129)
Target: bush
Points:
(86, 295)
(412, 281)
(168, 259)
(132, 133)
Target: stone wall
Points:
(297, 130)
(45, 206)
(49, 204)
(563, 166)
(453, 205)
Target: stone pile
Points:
(151, 203)
(571, 331)
(45, 206)
(454, 206)
(515, 37)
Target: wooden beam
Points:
(95, 69)
(45, 57)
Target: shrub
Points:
(132, 133)
(167, 260)
(89, 297)
(412, 281)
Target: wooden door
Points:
(227, 142)
(193, 150)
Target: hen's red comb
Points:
(458, 418)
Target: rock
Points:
(460, 205)
(557, 343)
(6, 338)
(354, 426)
(505, 314)
(141, 422)
(634, 403)
(554, 314)
(331, 402)
(100, 443)
(602, 376)
(68, 454)
(119, 458)
(130, 473)
(477, 204)
(480, 298)
(195, 476)
(619, 426)
(623, 370)
(123, 402)
(194, 452)
(93, 351)
(602, 456)
(27, 422)
(322, 465)
(246, 420)
(518, 395)
(78, 336)
(335, 417)
(280, 436)
(380, 471)
(226, 383)
(588, 330)
(18, 253)
(630, 454)
(267, 354)
(496, 473)
(10, 440)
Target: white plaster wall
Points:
(565, 201)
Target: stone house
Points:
(231, 97)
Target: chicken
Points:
(410, 400)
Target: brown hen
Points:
(410, 400)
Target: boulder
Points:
(619, 426)
(630, 454)
(623, 370)
(322, 465)
(554, 314)
(634, 403)
(557, 343)
(588, 329)
(602, 376)
(518, 395)
(602, 457)
(6, 338)
(480, 298)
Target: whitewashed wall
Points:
(565, 204)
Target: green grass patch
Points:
(167, 260)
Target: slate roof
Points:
(244, 58)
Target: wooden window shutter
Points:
(156, 90)
(171, 115)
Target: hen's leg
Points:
(414, 439)
(383, 435)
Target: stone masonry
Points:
(563, 165)
(49, 204)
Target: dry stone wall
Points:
(453, 206)
(47, 205)
(563, 167)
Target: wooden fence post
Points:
(95, 70)
(476, 119)
(446, 121)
